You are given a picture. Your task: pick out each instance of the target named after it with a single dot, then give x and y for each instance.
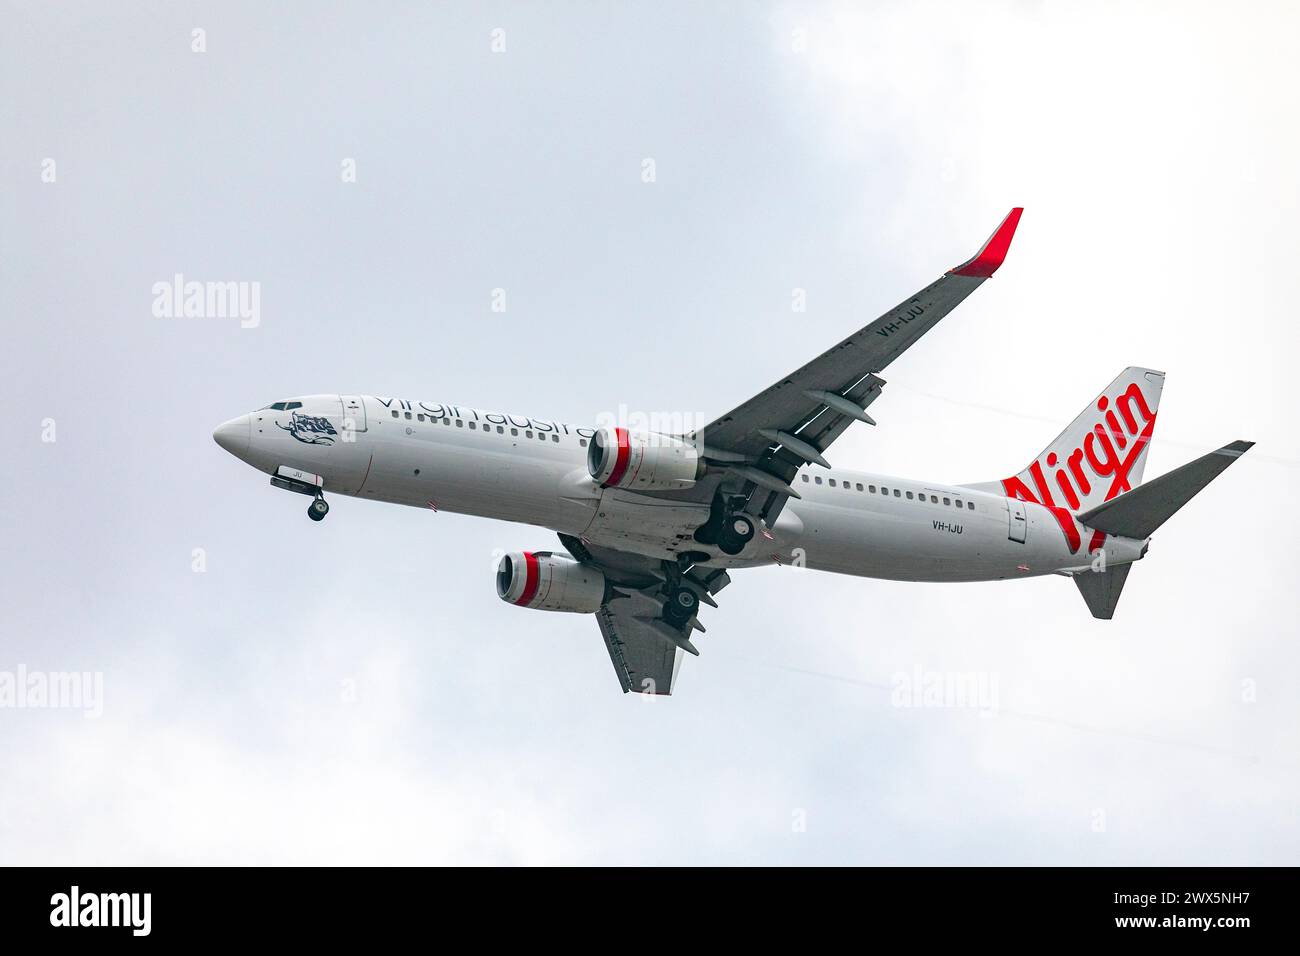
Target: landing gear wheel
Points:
(737, 531)
(681, 606)
(740, 527)
(318, 509)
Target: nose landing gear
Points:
(291, 479)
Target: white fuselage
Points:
(514, 468)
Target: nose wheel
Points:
(318, 509)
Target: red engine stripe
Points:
(532, 578)
(621, 459)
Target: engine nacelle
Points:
(548, 582)
(618, 458)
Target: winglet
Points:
(992, 253)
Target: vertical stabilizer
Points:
(1101, 454)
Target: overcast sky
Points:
(354, 691)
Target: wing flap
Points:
(645, 662)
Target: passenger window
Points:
(501, 430)
(408, 416)
(805, 477)
(946, 501)
(871, 488)
(582, 442)
(555, 438)
(934, 499)
(957, 504)
(460, 423)
(909, 496)
(884, 490)
(420, 417)
(394, 413)
(859, 486)
(473, 427)
(896, 493)
(818, 479)
(970, 506)
(446, 421)
(832, 481)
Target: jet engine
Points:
(643, 461)
(548, 582)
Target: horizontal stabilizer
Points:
(1138, 513)
(1100, 589)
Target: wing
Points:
(767, 439)
(759, 447)
(643, 660)
(645, 649)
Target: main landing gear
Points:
(681, 605)
(685, 585)
(318, 508)
(728, 527)
(737, 531)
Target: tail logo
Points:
(1109, 452)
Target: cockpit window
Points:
(289, 406)
(281, 406)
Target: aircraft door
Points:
(354, 410)
(1016, 520)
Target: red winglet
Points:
(993, 252)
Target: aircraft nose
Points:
(234, 435)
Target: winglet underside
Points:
(993, 253)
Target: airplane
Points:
(652, 524)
